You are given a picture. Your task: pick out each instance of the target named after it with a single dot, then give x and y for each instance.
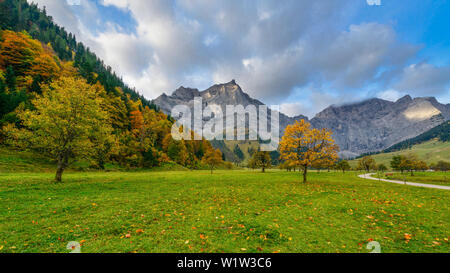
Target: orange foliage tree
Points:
(26, 56)
(213, 158)
(304, 146)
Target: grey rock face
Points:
(377, 124)
(368, 126)
(220, 94)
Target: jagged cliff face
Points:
(368, 126)
(221, 94)
(377, 124)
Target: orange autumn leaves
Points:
(26, 56)
(303, 146)
(212, 158)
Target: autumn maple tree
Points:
(212, 158)
(26, 56)
(304, 146)
(66, 124)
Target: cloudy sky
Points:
(302, 54)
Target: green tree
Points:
(262, 160)
(382, 168)
(343, 165)
(251, 164)
(367, 163)
(396, 163)
(2, 98)
(10, 79)
(420, 165)
(442, 166)
(67, 123)
(410, 163)
(238, 152)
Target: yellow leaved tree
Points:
(66, 124)
(303, 146)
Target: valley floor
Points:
(229, 211)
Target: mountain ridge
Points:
(363, 127)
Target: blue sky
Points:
(303, 55)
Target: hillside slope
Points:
(35, 53)
(19, 15)
(431, 152)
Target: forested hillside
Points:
(37, 57)
(19, 15)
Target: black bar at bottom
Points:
(233, 262)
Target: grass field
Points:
(230, 211)
(436, 178)
(431, 152)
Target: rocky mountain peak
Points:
(405, 99)
(366, 126)
(186, 93)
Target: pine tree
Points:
(11, 80)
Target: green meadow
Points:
(435, 178)
(431, 152)
(230, 211)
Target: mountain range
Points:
(365, 127)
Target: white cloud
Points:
(424, 79)
(293, 109)
(270, 47)
(390, 95)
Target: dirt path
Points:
(369, 176)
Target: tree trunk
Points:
(62, 164)
(305, 173)
(59, 172)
